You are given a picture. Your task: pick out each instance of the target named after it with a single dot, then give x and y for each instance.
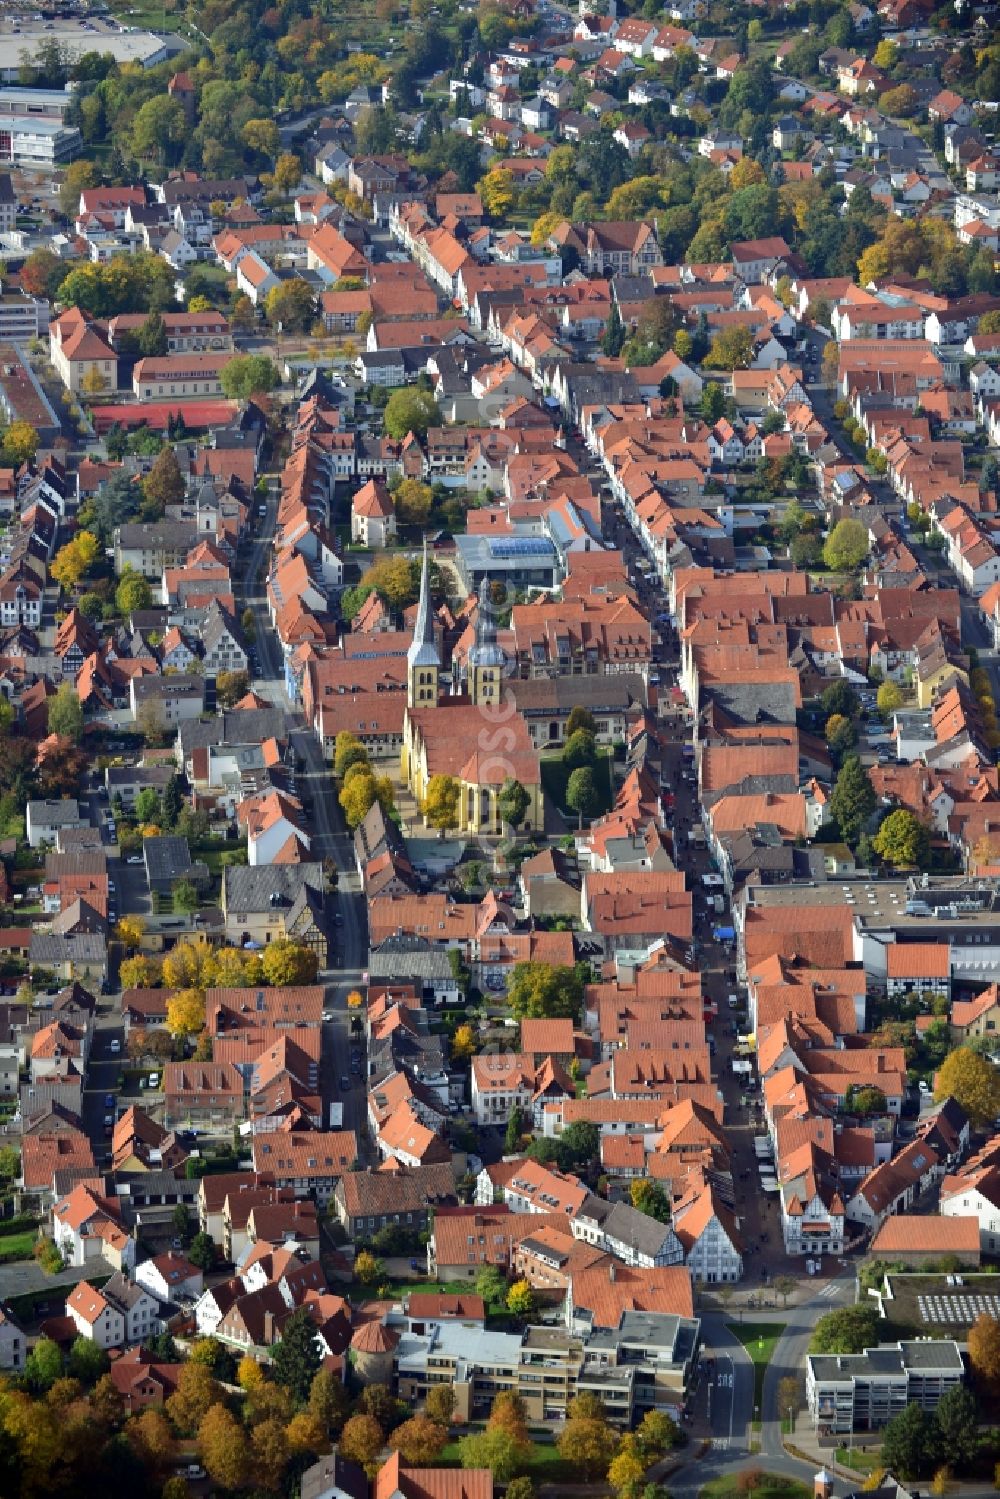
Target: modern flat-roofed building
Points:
(863, 1391)
(73, 37)
(517, 561)
(35, 103)
(37, 143)
(21, 317)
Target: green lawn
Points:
(759, 1339)
(17, 1246)
(150, 16)
(772, 1486)
(858, 1461)
(555, 778)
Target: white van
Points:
(734, 1000)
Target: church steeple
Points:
(486, 658)
(423, 663)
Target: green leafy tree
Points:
(840, 734)
(850, 1329)
(409, 409)
(297, 1358)
(958, 1423)
(202, 1252)
(491, 1286)
(248, 375)
(540, 991)
(841, 698)
(866, 1101)
(846, 547)
(657, 1434)
(911, 1443)
(152, 341)
(580, 749)
(513, 803)
(903, 840)
(889, 698)
(87, 1361)
(713, 402)
(159, 127)
(731, 349)
(580, 718)
(582, 794)
(649, 1198)
(185, 896)
(614, 334)
(581, 1142)
(506, 1453)
(291, 304)
(65, 713)
(43, 1366)
(514, 1130)
(77, 177)
(147, 805)
(853, 799)
(133, 592)
(348, 751)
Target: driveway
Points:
(26, 1278)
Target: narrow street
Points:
(330, 839)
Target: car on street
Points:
(134, 859)
(109, 1100)
(345, 1082)
(116, 1045)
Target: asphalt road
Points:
(724, 1397)
(329, 840)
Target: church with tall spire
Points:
(468, 734)
(423, 660)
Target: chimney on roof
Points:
(611, 1272)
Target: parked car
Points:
(116, 1045)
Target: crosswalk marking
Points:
(720, 1444)
(830, 1290)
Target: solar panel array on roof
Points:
(962, 1310)
(521, 546)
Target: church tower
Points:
(423, 665)
(486, 659)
